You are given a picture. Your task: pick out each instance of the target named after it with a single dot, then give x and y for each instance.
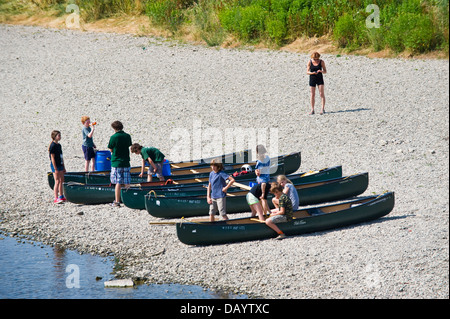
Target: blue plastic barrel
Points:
(166, 168)
(103, 161)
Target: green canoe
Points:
(291, 163)
(305, 221)
(80, 193)
(309, 193)
(134, 196)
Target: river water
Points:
(36, 271)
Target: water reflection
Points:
(35, 271)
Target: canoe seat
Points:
(315, 212)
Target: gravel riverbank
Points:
(387, 117)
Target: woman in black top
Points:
(316, 68)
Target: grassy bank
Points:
(411, 27)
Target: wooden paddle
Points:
(163, 223)
(243, 186)
(198, 220)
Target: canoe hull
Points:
(89, 194)
(134, 197)
(222, 233)
(80, 193)
(310, 193)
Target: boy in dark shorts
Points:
(119, 145)
(155, 158)
(88, 143)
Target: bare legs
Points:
(87, 163)
(257, 210)
(313, 98)
(59, 181)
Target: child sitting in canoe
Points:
(284, 211)
(154, 157)
(217, 190)
(289, 190)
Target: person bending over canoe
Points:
(283, 213)
(217, 190)
(254, 200)
(155, 158)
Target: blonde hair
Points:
(283, 178)
(315, 55)
(84, 119)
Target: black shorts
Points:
(315, 80)
(88, 152)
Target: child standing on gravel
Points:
(217, 190)
(88, 143)
(119, 145)
(57, 166)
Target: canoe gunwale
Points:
(223, 232)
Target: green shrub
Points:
(229, 19)
(414, 32)
(276, 30)
(207, 21)
(251, 24)
(415, 25)
(345, 30)
(165, 13)
(280, 6)
(351, 32)
(247, 23)
(422, 38)
(299, 5)
(376, 38)
(92, 10)
(298, 23)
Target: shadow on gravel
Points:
(348, 111)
